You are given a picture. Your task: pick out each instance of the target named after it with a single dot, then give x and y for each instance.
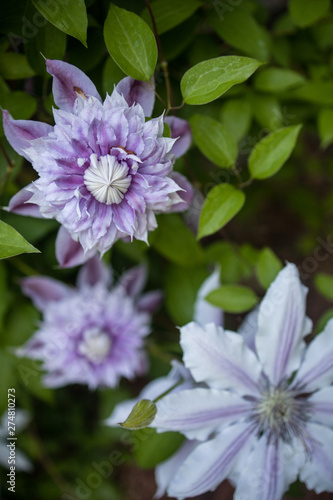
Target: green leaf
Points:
(181, 288)
(235, 266)
(323, 321)
(268, 266)
(315, 92)
(236, 115)
(209, 79)
(233, 298)
(240, 30)
(130, 43)
(112, 74)
(222, 204)
(267, 111)
(142, 414)
(69, 16)
(7, 377)
(214, 140)
(324, 284)
(19, 104)
(12, 243)
(169, 14)
(14, 66)
(176, 242)
(269, 155)
(307, 12)
(277, 80)
(325, 126)
(156, 448)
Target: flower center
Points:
(96, 345)
(107, 179)
(282, 414)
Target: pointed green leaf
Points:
(169, 14)
(236, 115)
(209, 79)
(233, 298)
(277, 80)
(325, 126)
(157, 448)
(214, 140)
(222, 204)
(324, 285)
(306, 12)
(130, 43)
(269, 155)
(69, 16)
(12, 243)
(240, 29)
(142, 414)
(268, 266)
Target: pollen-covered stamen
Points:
(80, 92)
(282, 414)
(107, 179)
(96, 345)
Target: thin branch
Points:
(163, 61)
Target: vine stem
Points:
(163, 61)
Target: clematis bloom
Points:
(265, 414)
(104, 171)
(90, 334)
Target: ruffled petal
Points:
(317, 472)
(322, 402)
(268, 470)
(94, 272)
(44, 290)
(198, 412)
(19, 133)
(67, 78)
(282, 325)
(179, 129)
(137, 92)
(19, 203)
(185, 193)
(165, 471)
(70, 253)
(150, 301)
(316, 370)
(211, 462)
(133, 280)
(220, 358)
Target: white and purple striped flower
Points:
(90, 334)
(265, 414)
(104, 171)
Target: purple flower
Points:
(90, 334)
(103, 170)
(178, 379)
(265, 416)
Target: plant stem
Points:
(163, 61)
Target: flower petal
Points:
(317, 472)
(248, 329)
(133, 280)
(268, 470)
(137, 92)
(322, 402)
(220, 358)
(211, 462)
(282, 325)
(70, 253)
(179, 128)
(204, 312)
(19, 203)
(43, 290)
(66, 77)
(185, 193)
(150, 301)
(196, 413)
(94, 272)
(316, 370)
(19, 133)
(165, 471)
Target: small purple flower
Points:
(104, 171)
(90, 334)
(264, 415)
